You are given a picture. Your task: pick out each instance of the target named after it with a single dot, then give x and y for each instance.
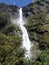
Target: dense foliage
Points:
(38, 29)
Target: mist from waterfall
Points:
(26, 42)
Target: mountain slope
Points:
(37, 14)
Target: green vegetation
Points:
(10, 41)
(37, 26)
(38, 29)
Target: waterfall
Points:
(26, 42)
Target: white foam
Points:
(26, 42)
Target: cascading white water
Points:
(26, 42)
